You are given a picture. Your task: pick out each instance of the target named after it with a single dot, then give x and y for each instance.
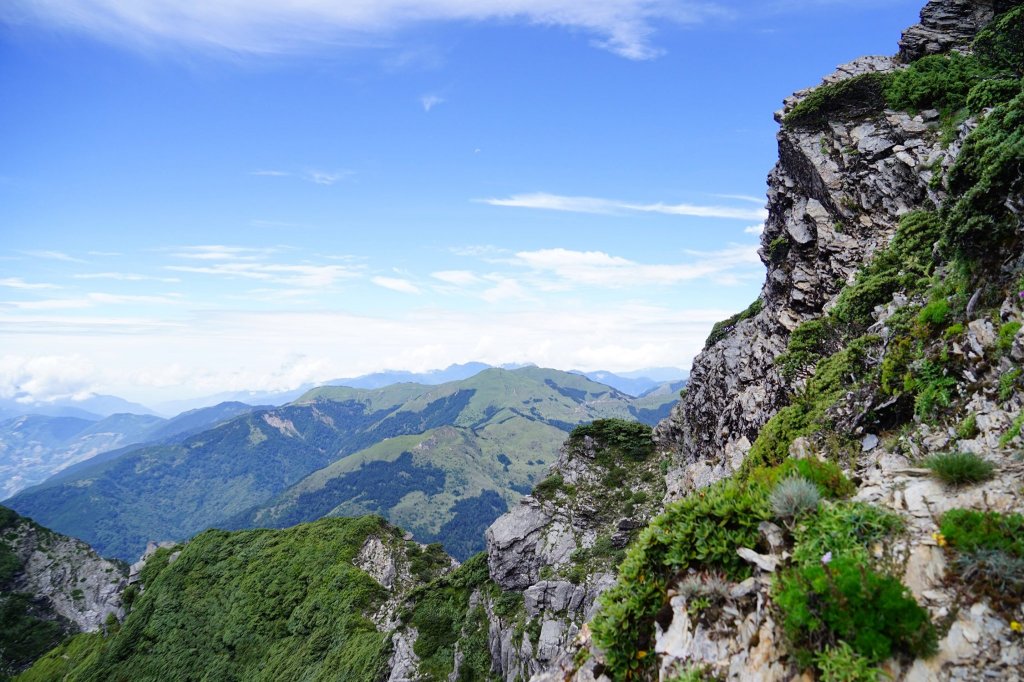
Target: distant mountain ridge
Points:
(35, 447)
(442, 461)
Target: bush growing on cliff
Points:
(960, 468)
(701, 532)
(851, 97)
(721, 329)
(935, 82)
(845, 600)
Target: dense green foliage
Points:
(935, 82)
(988, 556)
(721, 329)
(1001, 44)
(615, 439)
(844, 528)
(851, 97)
(702, 532)
(845, 600)
(808, 413)
(442, 616)
(968, 531)
(250, 605)
(832, 483)
(24, 636)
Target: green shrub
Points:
(1012, 432)
(794, 497)
(968, 530)
(840, 663)
(778, 248)
(832, 378)
(932, 385)
(1008, 384)
(831, 482)
(960, 468)
(989, 93)
(935, 313)
(847, 601)
(1000, 45)
(935, 82)
(844, 529)
(616, 440)
(721, 329)
(968, 427)
(549, 487)
(986, 173)
(1007, 333)
(701, 532)
(851, 97)
(806, 346)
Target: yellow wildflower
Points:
(1016, 627)
(940, 539)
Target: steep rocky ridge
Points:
(852, 172)
(50, 586)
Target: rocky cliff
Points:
(50, 586)
(886, 343)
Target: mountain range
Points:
(442, 461)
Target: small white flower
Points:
(826, 558)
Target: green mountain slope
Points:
(473, 447)
(258, 605)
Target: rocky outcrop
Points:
(948, 25)
(834, 198)
(77, 585)
(559, 548)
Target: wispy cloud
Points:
(222, 252)
(91, 300)
(19, 283)
(106, 254)
(600, 269)
(557, 202)
(624, 27)
(754, 229)
(459, 278)
(53, 255)
(396, 284)
(270, 173)
(430, 101)
(124, 277)
(301, 275)
(318, 177)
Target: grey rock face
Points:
(834, 198)
(947, 25)
(74, 581)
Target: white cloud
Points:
(233, 350)
(125, 277)
(319, 177)
(270, 173)
(19, 283)
(396, 284)
(45, 378)
(556, 202)
(303, 275)
(459, 278)
(221, 252)
(624, 27)
(754, 229)
(54, 255)
(596, 268)
(90, 300)
(430, 101)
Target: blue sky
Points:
(207, 196)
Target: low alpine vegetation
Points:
(960, 468)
